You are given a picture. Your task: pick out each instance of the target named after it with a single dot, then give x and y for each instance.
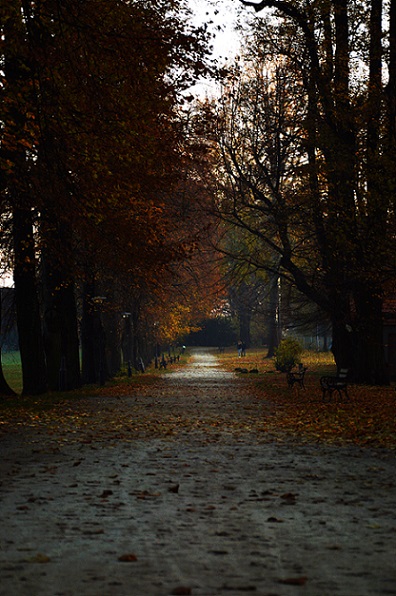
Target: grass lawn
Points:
(322, 363)
(12, 370)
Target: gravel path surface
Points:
(208, 511)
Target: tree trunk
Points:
(60, 315)
(93, 338)
(370, 364)
(343, 345)
(88, 364)
(358, 344)
(111, 325)
(31, 343)
(61, 339)
(126, 340)
(244, 327)
(135, 336)
(273, 317)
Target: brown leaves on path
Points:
(260, 406)
(368, 418)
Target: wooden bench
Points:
(297, 377)
(337, 383)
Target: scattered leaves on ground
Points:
(263, 406)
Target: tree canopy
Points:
(92, 159)
(306, 139)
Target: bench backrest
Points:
(342, 373)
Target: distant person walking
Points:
(239, 347)
(243, 352)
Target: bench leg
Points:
(327, 396)
(341, 391)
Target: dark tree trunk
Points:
(93, 339)
(343, 345)
(60, 312)
(358, 345)
(61, 339)
(31, 343)
(273, 318)
(61, 336)
(111, 325)
(135, 337)
(244, 327)
(17, 72)
(126, 340)
(89, 373)
(370, 364)
(243, 300)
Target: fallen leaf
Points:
(174, 489)
(144, 494)
(128, 558)
(39, 558)
(294, 581)
(289, 498)
(106, 493)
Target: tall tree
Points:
(91, 133)
(17, 150)
(332, 219)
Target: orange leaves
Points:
(260, 406)
(294, 581)
(368, 418)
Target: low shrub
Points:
(288, 354)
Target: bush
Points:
(287, 354)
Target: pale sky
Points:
(226, 44)
(224, 14)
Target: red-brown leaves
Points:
(265, 408)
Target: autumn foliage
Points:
(95, 190)
(367, 418)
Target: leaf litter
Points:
(230, 420)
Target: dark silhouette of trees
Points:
(91, 152)
(307, 140)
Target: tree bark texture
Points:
(31, 344)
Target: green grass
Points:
(320, 362)
(12, 370)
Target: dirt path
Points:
(207, 509)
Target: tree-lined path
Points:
(174, 488)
